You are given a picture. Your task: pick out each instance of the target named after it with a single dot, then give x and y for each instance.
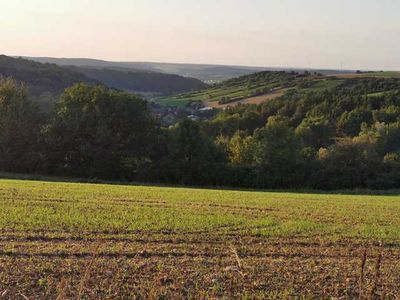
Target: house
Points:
(194, 118)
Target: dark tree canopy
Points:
(19, 129)
(99, 132)
(343, 135)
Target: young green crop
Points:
(68, 207)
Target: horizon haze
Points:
(337, 34)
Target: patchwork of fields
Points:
(234, 91)
(261, 87)
(86, 241)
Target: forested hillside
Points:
(143, 81)
(46, 81)
(41, 78)
(344, 135)
(324, 133)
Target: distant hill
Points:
(205, 72)
(41, 78)
(144, 82)
(263, 86)
(235, 90)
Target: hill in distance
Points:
(208, 73)
(263, 86)
(47, 77)
(41, 78)
(203, 72)
(146, 83)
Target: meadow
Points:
(98, 241)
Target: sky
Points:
(338, 34)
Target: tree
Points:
(276, 153)
(241, 149)
(19, 129)
(190, 155)
(349, 123)
(347, 164)
(386, 136)
(315, 132)
(389, 141)
(390, 177)
(98, 132)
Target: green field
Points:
(261, 83)
(118, 242)
(385, 74)
(210, 95)
(236, 88)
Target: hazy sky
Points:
(286, 33)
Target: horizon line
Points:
(208, 64)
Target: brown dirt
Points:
(44, 265)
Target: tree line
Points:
(344, 137)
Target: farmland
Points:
(86, 241)
(261, 87)
(233, 90)
(382, 74)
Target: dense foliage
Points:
(329, 134)
(98, 132)
(19, 129)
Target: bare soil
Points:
(196, 265)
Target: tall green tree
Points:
(349, 124)
(19, 129)
(99, 132)
(316, 132)
(348, 164)
(276, 152)
(190, 154)
(390, 177)
(241, 149)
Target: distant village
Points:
(169, 115)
